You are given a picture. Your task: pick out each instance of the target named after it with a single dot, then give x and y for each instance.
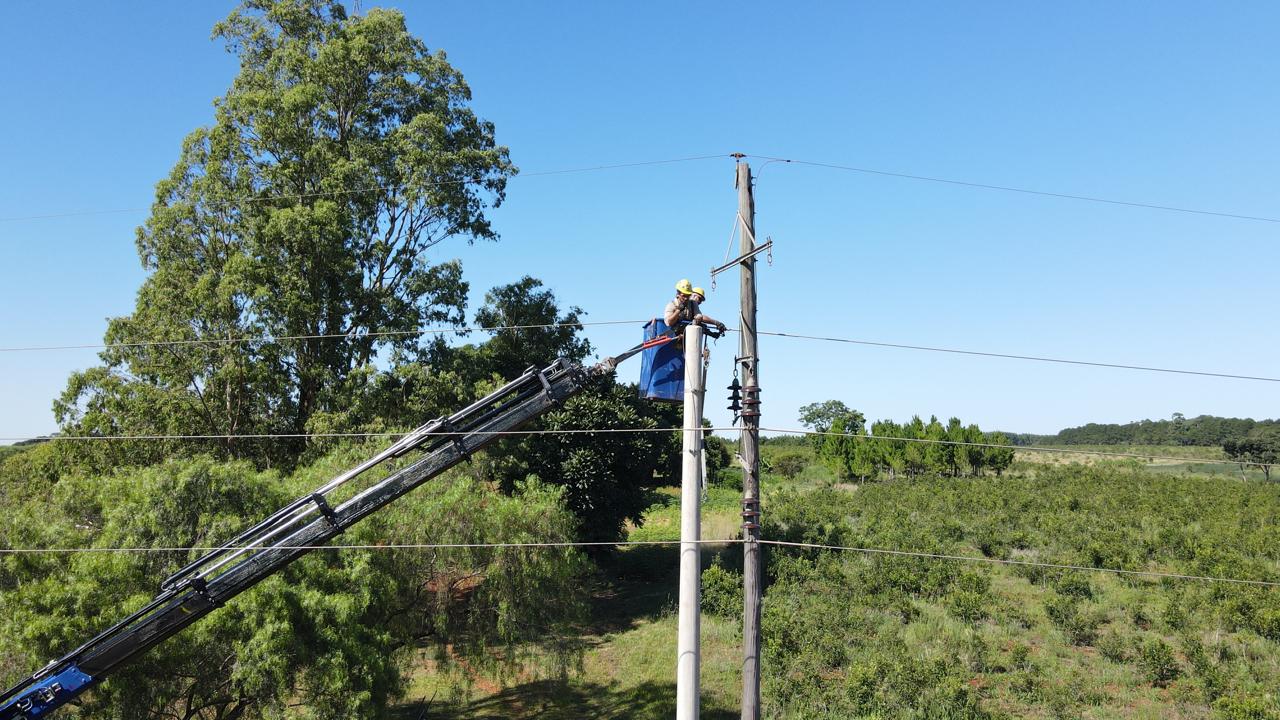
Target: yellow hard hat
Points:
(700, 291)
(684, 287)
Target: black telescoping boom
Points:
(204, 585)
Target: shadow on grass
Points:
(642, 583)
(559, 700)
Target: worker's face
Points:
(696, 298)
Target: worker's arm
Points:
(671, 315)
(708, 320)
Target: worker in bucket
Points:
(686, 307)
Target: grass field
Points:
(1157, 458)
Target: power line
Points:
(1034, 358)
(625, 543)
(1026, 191)
(326, 336)
(377, 188)
(582, 431)
(425, 331)
(476, 328)
(388, 546)
(388, 434)
(1030, 563)
(1027, 448)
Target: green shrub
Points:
(789, 465)
(1074, 584)
(1156, 659)
(992, 543)
(976, 583)
(1080, 626)
(1266, 622)
(728, 478)
(1246, 707)
(721, 592)
(1112, 646)
(968, 606)
(1210, 676)
(1020, 656)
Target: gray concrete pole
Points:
(688, 650)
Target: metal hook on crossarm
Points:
(766, 247)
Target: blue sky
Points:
(1169, 103)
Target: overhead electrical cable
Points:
(496, 328)
(625, 543)
(376, 188)
(327, 336)
(387, 434)
(1034, 358)
(379, 546)
(1010, 188)
(585, 431)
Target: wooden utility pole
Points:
(688, 647)
(750, 451)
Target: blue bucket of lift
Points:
(662, 366)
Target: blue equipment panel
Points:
(662, 366)
(48, 695)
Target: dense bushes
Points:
(863, 634)
(330, 631)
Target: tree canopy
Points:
(1203, 430)
(343, 150)
(1262, 446)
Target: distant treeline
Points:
(851, 448)
(1179, 430)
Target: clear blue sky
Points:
(1168, 103)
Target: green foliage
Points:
(822, 417)
(850, 451)
(445, 377)
(1035, 622)
(331, 631)
(720, 466)
(1076, 620)
(1247, 707)
(257, 232)
(1178, 430)
(605, 476)
(512, 350)
(788, 465)
(1262, 446)
(1112, 646)
(1157, 660)
(722, 592)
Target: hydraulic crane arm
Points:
(288, 534)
